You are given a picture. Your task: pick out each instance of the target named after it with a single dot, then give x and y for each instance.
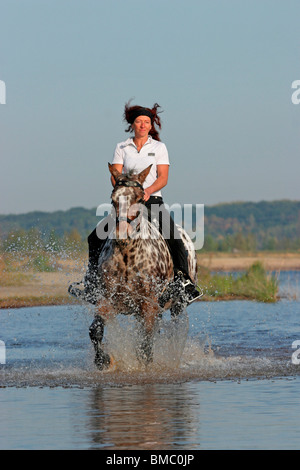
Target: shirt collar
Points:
(129, 141)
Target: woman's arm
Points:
(160, 182)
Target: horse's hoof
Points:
(145, 358)
(102, 360)
(112, 365)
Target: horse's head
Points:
(127, 197)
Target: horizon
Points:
(205, 205)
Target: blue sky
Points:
(220, 69)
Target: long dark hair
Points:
(129, 116)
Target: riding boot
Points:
(90, 280)
(182, 285)
(181, 288)
(90, 291)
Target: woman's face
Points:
(141, 126)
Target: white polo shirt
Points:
(153, 152)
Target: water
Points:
(223, 379)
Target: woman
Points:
(137, 153)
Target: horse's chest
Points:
(123, 267)
(128, 265)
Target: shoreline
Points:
(225, 262)
(50, 288)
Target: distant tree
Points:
(73, 240)
(23, 240)
(270, 244)
(209, 243)
(54, 242)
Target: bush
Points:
(42, 263)
(254, 284)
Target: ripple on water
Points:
(197, 363)
(50, 346)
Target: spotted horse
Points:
(134, 268)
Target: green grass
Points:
(34, 301)
(254, 284)
(13, 279)
(41, 262)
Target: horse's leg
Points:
(145, 349)
(96, 331)
(148, 319)
(176, 309)
(104, 313)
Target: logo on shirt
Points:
(151, 154)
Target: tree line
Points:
(230, 227)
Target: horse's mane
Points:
(131, 173)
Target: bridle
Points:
(128, 184)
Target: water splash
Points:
(196, 365)
(122, 341)
(50, 346)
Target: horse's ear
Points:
(115, 173)
(143, 174)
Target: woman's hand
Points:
(159, 183)
(147, 194)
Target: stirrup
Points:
(190, 292)
(182, 289)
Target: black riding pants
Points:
(167, 229)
